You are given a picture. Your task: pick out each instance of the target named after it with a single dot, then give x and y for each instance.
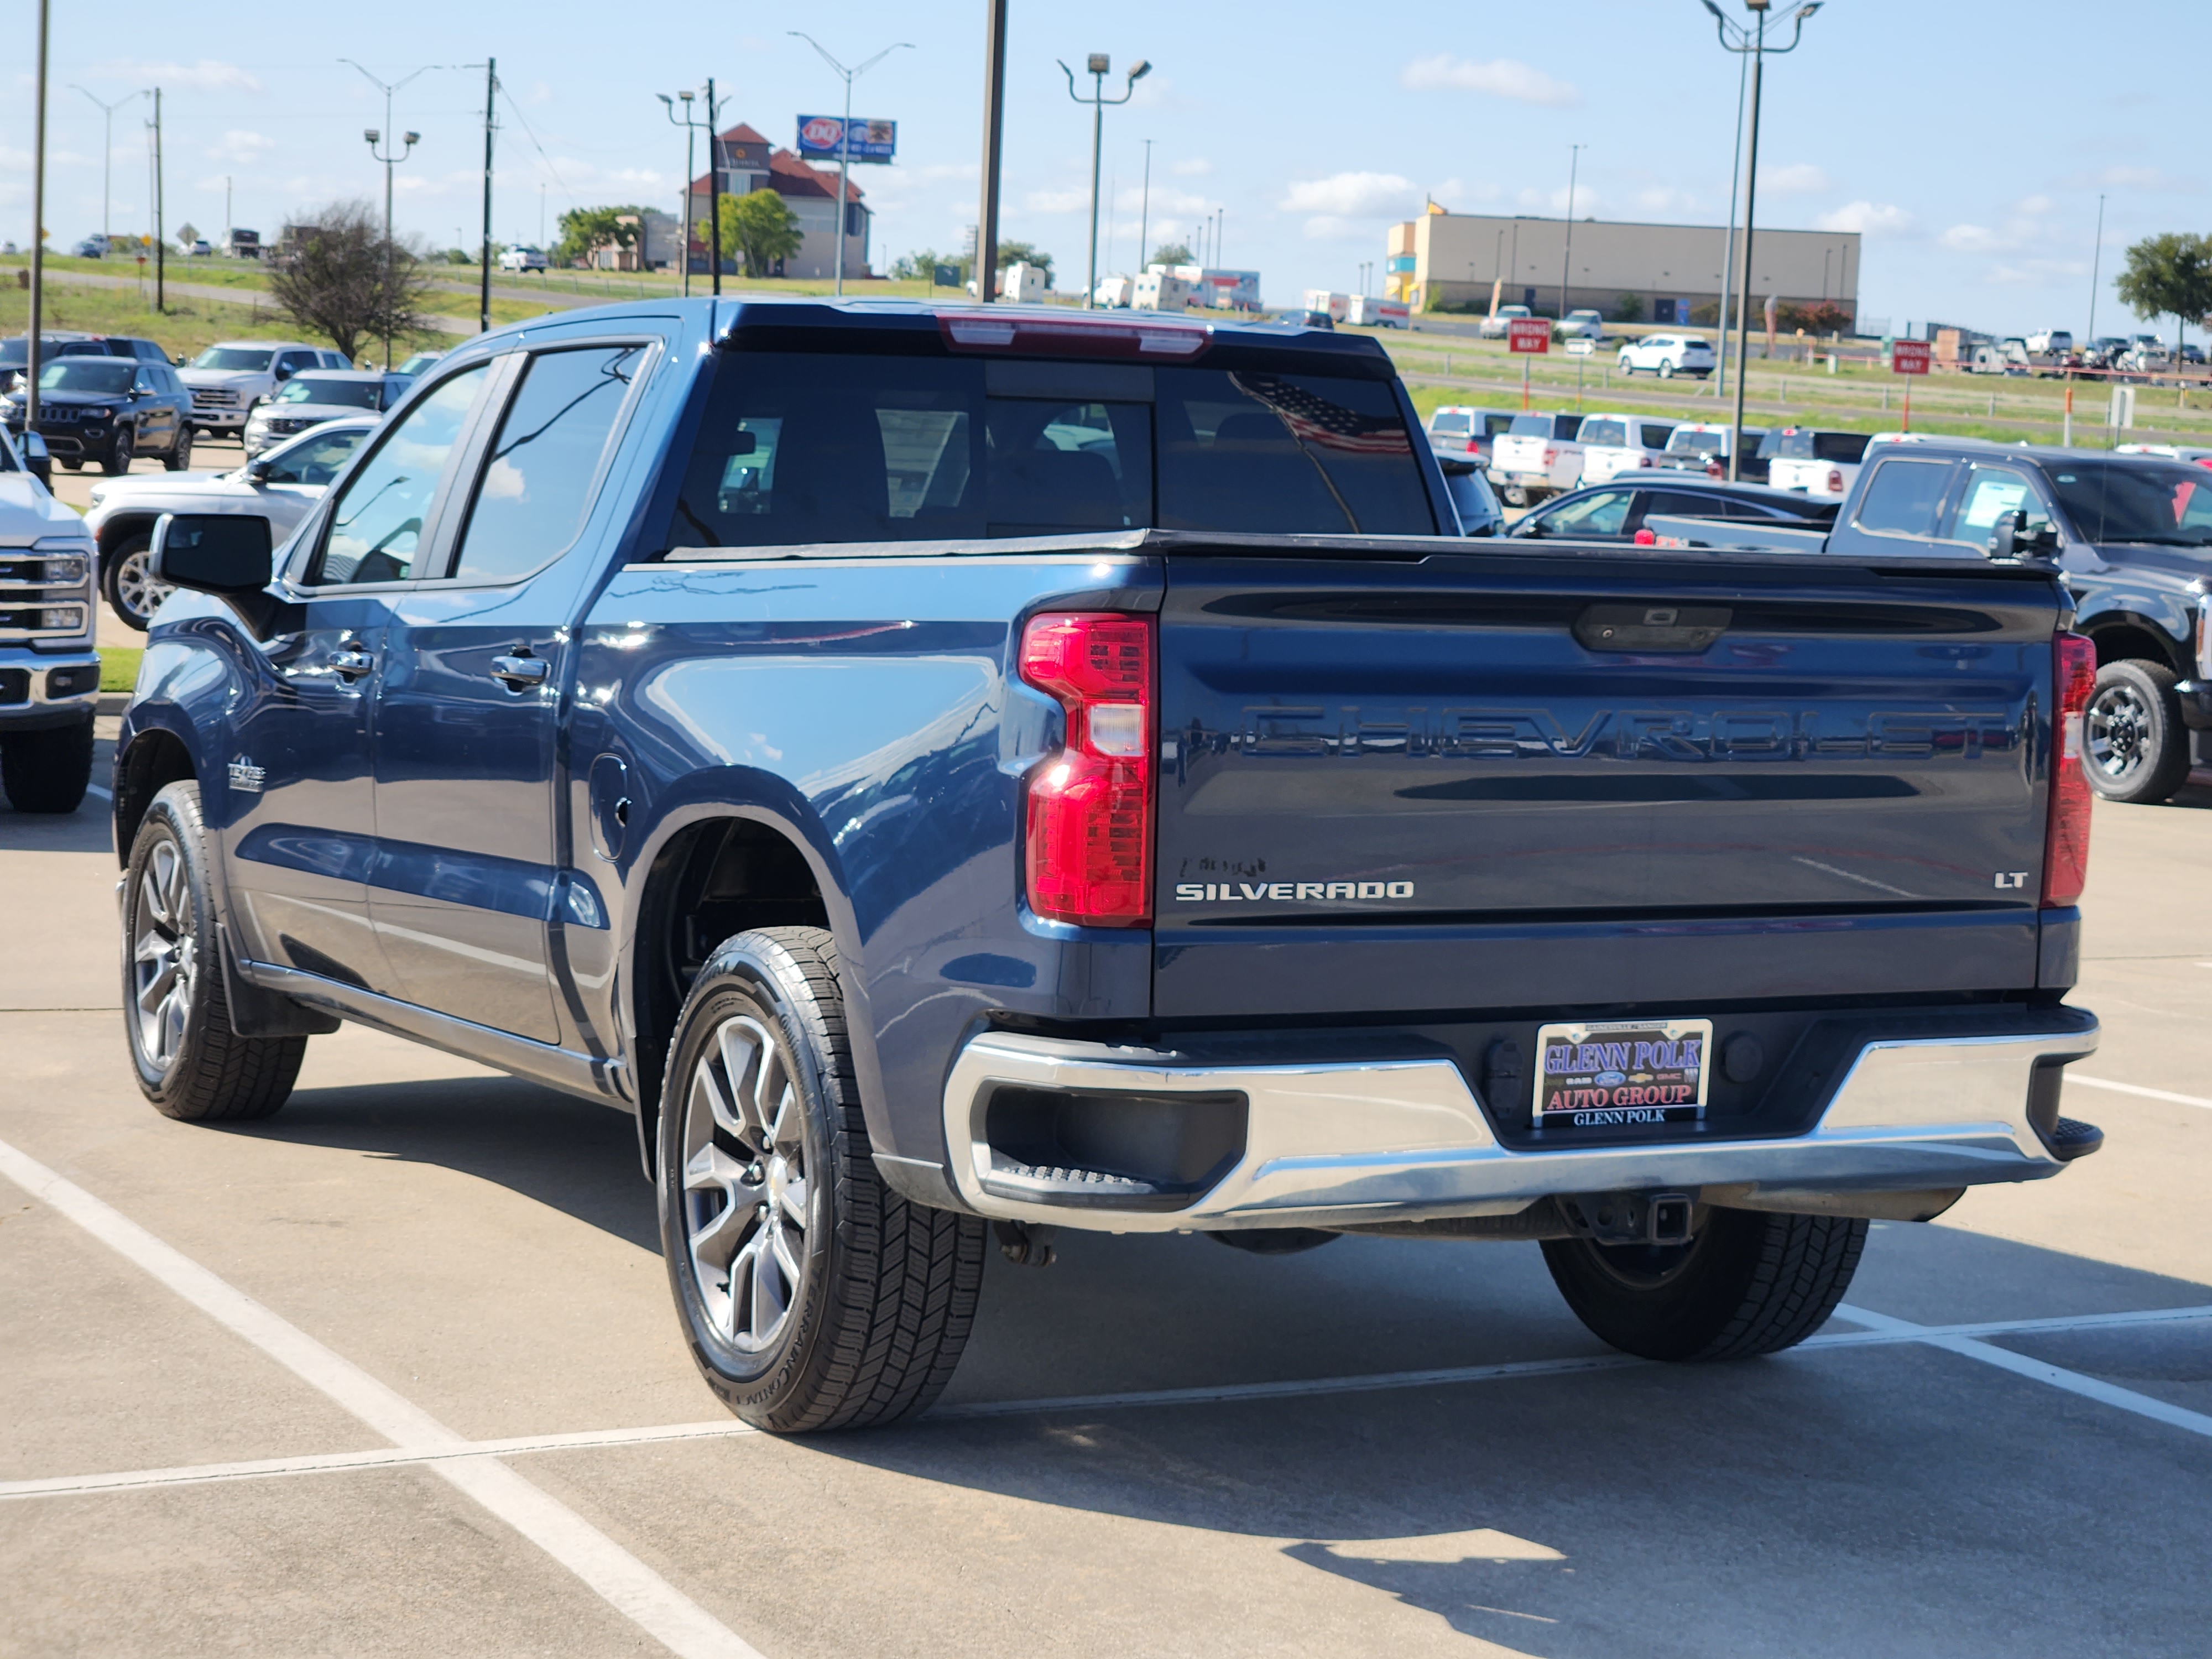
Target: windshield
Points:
(232, 357)
(1531, 426)
(1697, 443)
(2169, 506)
(801, 448)
(1823, 446)
(1459, 425)
(103, 374)
(326, 389)
(1602, 432)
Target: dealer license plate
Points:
(1622, 1074)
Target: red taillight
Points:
(1549, 456)
(1835, 481)
(1475, 445)
(1715, 470)
(1089, 831)
(2066, 850)
(1645, 460)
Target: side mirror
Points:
(2004, 535)
(284, 371)
(224, 555)
(38, 459)
(178, 360)
(259, 468)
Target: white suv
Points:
(1667, 356)
(1581, 325)
(522, 258)
(231, 378)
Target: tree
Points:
(583, 230)
(1629, 308)
(2169, 274)
(1017, 253)
(760, 229)
(920, 266)
(337, 280)
(1171, 253)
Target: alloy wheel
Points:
(746, 1186)
(2116, 727)
(137, 586)
(164, 957)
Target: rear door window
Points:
(804, 448)
(1904, 498)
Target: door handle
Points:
(519, 673)
(350, 663)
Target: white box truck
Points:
(1338, 305)
(1114, 293)
(1365, 311)
(1024, 283)
(1161, 290)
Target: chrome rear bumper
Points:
(1344, 1144)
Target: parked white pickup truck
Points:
(1819, 463)
(1536, 458)
(1615, 444)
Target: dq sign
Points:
(821, 138)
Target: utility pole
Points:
(994, 113)
(1566, 258)
(1097, 65)
(713, 190)
(31, 364)
(844, 136)
(226, 212)
(1728, 251)
(484, 273)
(2096, 256)
(1145, 213)
(160, 226)
(107, 154)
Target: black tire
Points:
(1515, 495)
(74, 466)
(1666, 368)
(2135, 748)
(1749, 1282)
(47, 771)
(179, 457)
(188, 1061)
(872, 1326)
(130, 592)
(116, 460)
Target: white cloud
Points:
(242, 147)
(1191, 167)
(2038, 272)
(1800, 179)
(1075, 199)
(1502, 78)
(1665, 199)
(1355, 195)
(1869, 219)
(1977, 239)
(2036, 204)
(1165, 199)
(1554, 201)
(207, 74)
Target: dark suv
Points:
(108, 408)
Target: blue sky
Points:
(1970, 141)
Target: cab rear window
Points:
(801, 448)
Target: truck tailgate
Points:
(1519, 452)
(1584, 778)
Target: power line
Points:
(515, 109)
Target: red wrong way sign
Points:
(1529, 334)
(1908, 356)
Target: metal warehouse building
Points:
(1449, 261)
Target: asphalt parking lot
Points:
(395, 1373)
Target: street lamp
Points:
(845, 131)
(106, 149)
(1097, 66)
(691, 125)
(1753, 41)
(374, 135)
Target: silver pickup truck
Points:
(49, 672)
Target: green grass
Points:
(118, 666)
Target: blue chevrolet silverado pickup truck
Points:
(978, 772)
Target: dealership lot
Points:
(1155, 1446)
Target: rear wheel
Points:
(813, 1294)
(2134, 745)
(180, 452)
(190, 1062)
(47, 771)
(117, 461)
(1749, 1282)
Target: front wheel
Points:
(2134, 745)
(1666, 368)
(127, 578)
(47, 771)
(1749, 1282)
(813, 1294)
(190, 1062)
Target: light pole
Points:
(691, 125)
(1753, 41)
(1097, 66)
(845, 132)
(1574, 161)
(1145, 212)
(2096, 263)
(376, 148)
(107, 150)
(1728, 251)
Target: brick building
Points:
(748, 162)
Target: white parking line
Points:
(625, 1582)
(2036, 1370)
(94, 789)
(2137, 1088)
(1890, 1333)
